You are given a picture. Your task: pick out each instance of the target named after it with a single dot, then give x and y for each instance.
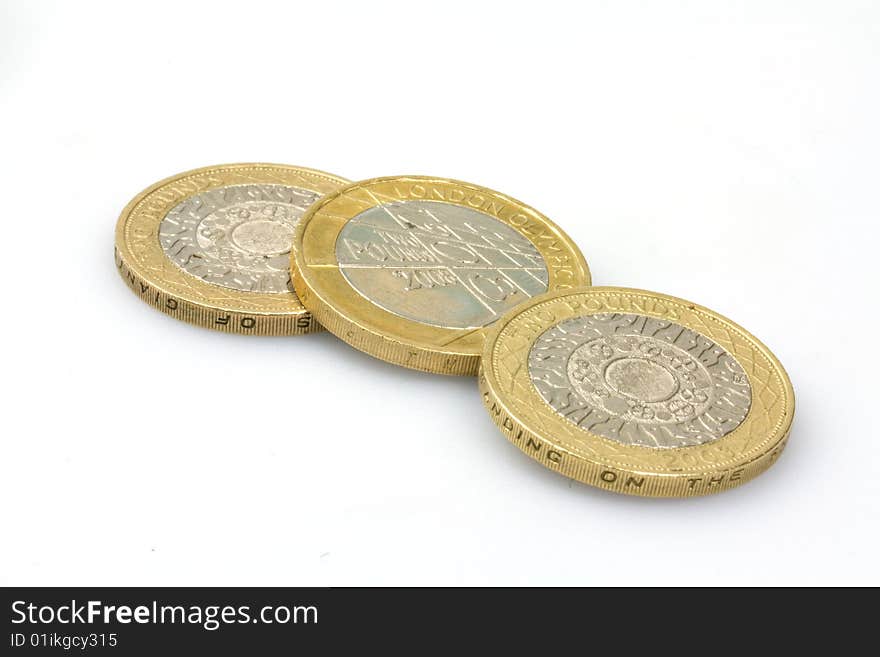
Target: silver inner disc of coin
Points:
(237, 236)
(640, 380)
(438, 263)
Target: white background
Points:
(725, 152)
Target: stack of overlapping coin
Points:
(628, 390)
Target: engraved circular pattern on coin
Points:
(636, 392)
(455, 267)
(412, 269)
(237, 236)
(668, 385)
(210, 246)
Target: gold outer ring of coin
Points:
(537, 429)
(149, 273)
(369, 328)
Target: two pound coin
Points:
(413, 270)
(636, 392)
(211, 246)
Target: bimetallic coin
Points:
(636, 392)
(413, 269)
(212, 246)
